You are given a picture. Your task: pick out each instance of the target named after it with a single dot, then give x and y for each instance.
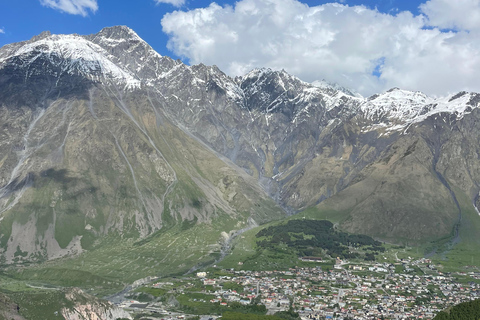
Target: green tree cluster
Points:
(307, 236)
(463, 311)
(242, 316)
(288, 315)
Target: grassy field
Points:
(41, 304)
(464, 251)
(117, 262)
(37, 301)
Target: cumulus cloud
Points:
(458, 14)
(77, 7)
(2, 30)
(354, 46)
(176, 3)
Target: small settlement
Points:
(408, 289)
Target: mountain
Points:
(89, 151)
(113, 152)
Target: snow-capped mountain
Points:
(117, 55)
(324, 84)
(70, 54)
(396, 109)
(160, 141)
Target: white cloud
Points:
(448, 14)
(332, 41)
(176, 3)
(2, 30)
(79, 7)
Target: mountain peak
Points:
(68, 54)
(118, 32)
(257, 72)
(393, 89)
(397, 93)
(324, 84)
(43, 35)
(131, 52)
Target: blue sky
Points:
(367, 45)
(23, 19)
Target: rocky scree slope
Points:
(88, 151)
(306, 144)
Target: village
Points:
(406, 289)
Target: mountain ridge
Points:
(113, 39)
(113, 124)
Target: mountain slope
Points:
(88, 153)
(105, 140)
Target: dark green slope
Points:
(463, 311)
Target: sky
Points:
(369, 46)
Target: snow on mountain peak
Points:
(73, 54)
(119, 33)
(117, 54)
(326, 85)
(395, 104)
(396, 109)
(460, 104)
(132, 53)
(120, 36)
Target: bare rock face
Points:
(101, 135)
(88, 307)
(9, 309)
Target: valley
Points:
(405, 288)
(119, 164)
